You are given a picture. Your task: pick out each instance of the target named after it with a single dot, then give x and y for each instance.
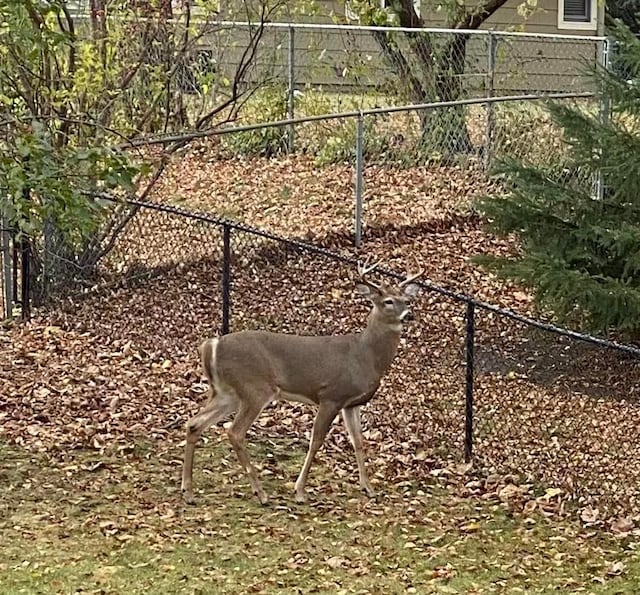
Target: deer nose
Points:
(408, 316)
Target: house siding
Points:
(542, 19)
(340, 59)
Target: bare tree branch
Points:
(397, 60)
(475, 18)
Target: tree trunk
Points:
(429, 75)
(444, 130)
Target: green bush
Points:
(580, 250)
(269, 104)
(526, 132)
(334, 141)
(341, 145)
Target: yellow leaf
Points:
(552, 493)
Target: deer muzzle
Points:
(407, 316)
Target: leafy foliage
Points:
(268, 104)
(340, 146)
(580, 251)
(525, 132)
(77, 88)
(42, 182)
(51, 151)
(628, 11)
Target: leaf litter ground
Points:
(96, 392)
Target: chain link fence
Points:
(302, 70)
(439, 153)
(454, 144)
(544, 406)
(397, 65)
(559, 412)
(290, 70)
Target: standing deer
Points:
(249, 369)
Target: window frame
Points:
(590, 25)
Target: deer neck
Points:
(382, 340)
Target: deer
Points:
(249, 369)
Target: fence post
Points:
(469, 344)
(359, 169)
(603, 57)
(25, 273)
(25, 268)
(226, 277)
(490, 115)
(291, 77)
(5, 243)
(14, 270)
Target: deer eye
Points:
(388, 301)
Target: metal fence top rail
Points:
(162, 139)
(430, 30)
(196, 15)
(427, 285)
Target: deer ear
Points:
(365, 290)
(412, 290)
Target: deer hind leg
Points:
(351, 417)
(326, 414)
(217, 407)
(248, 411)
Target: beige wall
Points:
(542, 19)
(353, 60)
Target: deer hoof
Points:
(301, 498)
(188, 498)
(264, 499)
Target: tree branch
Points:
(474, 19)
(400, 64)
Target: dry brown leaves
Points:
(120, 364)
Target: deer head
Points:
(391, 304)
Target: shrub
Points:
(268, 104)
(580, 251)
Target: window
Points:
(577, 10)
(577, 14)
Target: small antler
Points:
(365, 268)
(411, 276)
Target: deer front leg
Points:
(351, 417)
(326, 414)
(247, 413)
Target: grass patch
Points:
(113, 522)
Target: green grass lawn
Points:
(90, 522)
